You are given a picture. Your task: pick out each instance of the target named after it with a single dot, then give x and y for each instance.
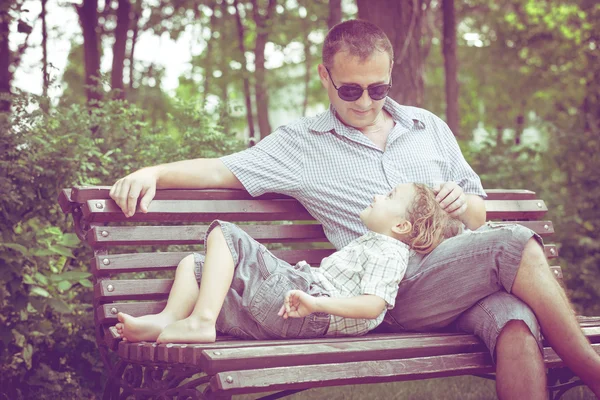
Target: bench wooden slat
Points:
(194, 234)
(191, 354)
(132, 289)
(337, 374)
(214, 361)
(103, 265)
(266, 210)
(199, 211)
(509, 194)
(65, 202)
(325, 353)
(363, 372)
(515, 209)
(152, 289)
(102, 236)
(81, 194)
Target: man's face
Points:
(350, 70)
(387, 211)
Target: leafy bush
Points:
(47, 340)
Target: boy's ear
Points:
(403, 228)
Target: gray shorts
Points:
(260, 281)
(465, 285)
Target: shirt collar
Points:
(328, 121)
(371, 235)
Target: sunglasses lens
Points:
(379, 92)
(350, 93)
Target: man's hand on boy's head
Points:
(451, 198)
(126, 191)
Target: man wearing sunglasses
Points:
(479, 282)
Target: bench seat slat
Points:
(191, 354)
(103, 236)
(199, 211)
(267, 210)
(341, 352)
(135, 262)
(336, 374)
(194, 234)
(81, 194)
(153, 289)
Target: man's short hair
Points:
(360, 38)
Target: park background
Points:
(94, 89)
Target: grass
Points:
(453, 388)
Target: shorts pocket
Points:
(266, 303)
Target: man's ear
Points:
(403, 228)
(323, 75)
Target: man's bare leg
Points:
(537, 287)
(520, 371)
(217, 275)
(180, 304)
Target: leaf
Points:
(70, 240)
(27, 355)
(19, 338)
(28, 279)
(42, 252)
(17, 247)
(39, 291)
(70, 276)
(60, 306)
(64, 285)
(38, 303)
(86, 283)
(41, 278)
(63, 251)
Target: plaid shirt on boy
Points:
(372, 264)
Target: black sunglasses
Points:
(354, 92)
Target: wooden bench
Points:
(129, 277)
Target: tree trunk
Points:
(335, 13)
(308, 66)
(208, 69)
(245, 73)
(263, 28)
(401, 21)
(5, 59)
(46, 79)
(450, 66)
(119, 48)
(136, 28)
(88, 18)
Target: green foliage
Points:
(47, 339)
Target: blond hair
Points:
(430, 223)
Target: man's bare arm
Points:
(201, 173)
(475, 215)
(469, 208)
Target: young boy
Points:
(247, 292)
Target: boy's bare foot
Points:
(145, 328)
(188, 330)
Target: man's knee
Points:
(516, 338)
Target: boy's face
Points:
(388, 211)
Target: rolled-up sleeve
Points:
(273, 165)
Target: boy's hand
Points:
(297, 304)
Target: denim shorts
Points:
(465, 285)
(260, 282)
